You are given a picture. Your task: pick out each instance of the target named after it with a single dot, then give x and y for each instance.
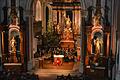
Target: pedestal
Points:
(13, 66)
(13, 57)
(67, 43)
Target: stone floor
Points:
(64, 66)
(51, 74)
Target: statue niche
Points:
(97, 43)
(67, 35)
(14, 46)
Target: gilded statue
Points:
(97, 46)
(67, 33)
(68, 22)
(67, 30)
(13, 44)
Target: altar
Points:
(67, 40)
(58, 59)
(67, 44)
(12, 66)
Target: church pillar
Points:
(63, 18)
(73, 21)
(50, 17)
(80, 43)
(29, 40)
(78, 26)
(59, 16)
(118, 49)
(54, 16)
(0, 51)
(43, 17)
(30, 36)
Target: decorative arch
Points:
(29, 4)
(38, 9)
(14, 28)
(96, 29)
(15, 44)
(97, 34)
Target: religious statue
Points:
(13, 44)
(67, 30)
(67, 33)
(68, 22)
(97, 46)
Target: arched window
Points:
(38, 11)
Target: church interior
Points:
(59, 40)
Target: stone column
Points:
(73, 21)
(118, 48)
(63, 19)
(116, 70)
(43, 17)
(59, 16)
(0, 51)
(80, 44)
(29, 39)
(54, 16)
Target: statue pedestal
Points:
(13, 66)
(67, 43)
(13, 57)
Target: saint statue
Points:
(68, 22)
(13, 44)
(67, 33)
(97, 44)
